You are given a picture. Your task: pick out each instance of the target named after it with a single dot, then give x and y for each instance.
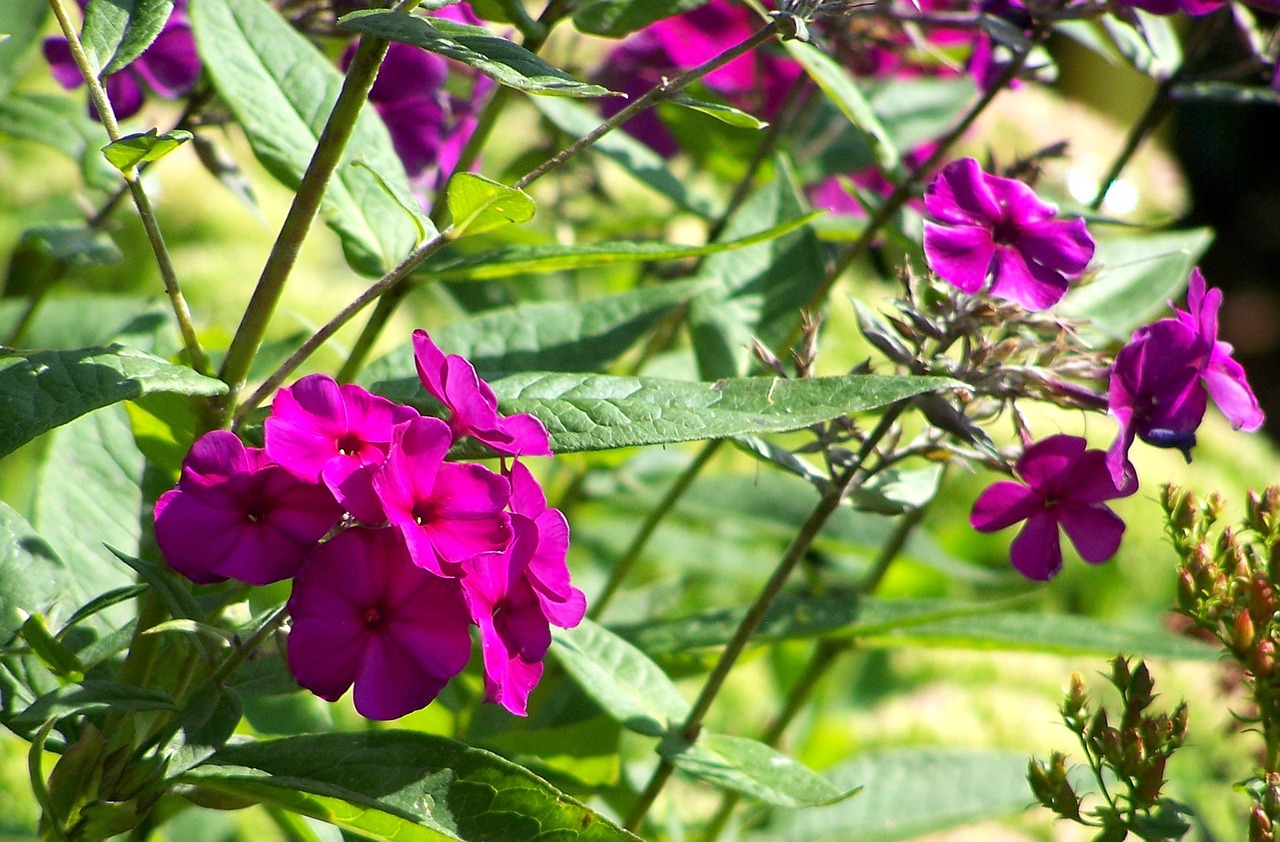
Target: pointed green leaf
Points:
(60, 123)
(1138, 276)
(92, 697)
(908, 793)
(40, 390)
(641, 162)
(756, 292)
(600, 412)
(843, 91)
(73, 243)
(632, 689)
(724, 113)
(478, 204)
(118, 31)
(32, 577)
(548, 336)
(504, 61)
(402, 786)
(281, 89)
(751, 768)
(1153, 48)
(132, 150)
(554, 257)
(616, 18)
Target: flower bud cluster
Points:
(395, 552)
(1134, 750)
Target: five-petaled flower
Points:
(1063, 484)
(1159, 380)
(986, 226)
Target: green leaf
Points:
(402, 786)
(60, 123)
(503, 61)
(756, 292)
(72, 243)
(32, 577)
(554, 257)
(548, 336)
(908, 793)
(724, 113)
(843, 91)
(632, 689)
(1138, 276)
(616, 18)
(77, 321)
(92, 468)
(40, 390)
(281, 89)
(117, 31)
(1228, 92)
(177, 598)
(52, 652)
(600, 412)
(478, 204)
(92, 697)
(132, 150)
(751, 768)
(22, 21)
(913, 111)
(1153, 48)
(638, 160)
(1058, 634)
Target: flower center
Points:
(372, 618)
(349, 445)
(1005, 232)
(422, 514)
(255, 510)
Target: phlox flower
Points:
(473, 408)
(235, 514)
(984, 226)
(1062, 485)
(514, 632)
(320, 431)
(170, 67)
(446, 512)
(547, 570)
(1160, 380)
(365, 614)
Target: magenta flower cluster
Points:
(993, 234)
(395, 552)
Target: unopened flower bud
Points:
(1140, 687)
(1260, 829)
(1187, 592)
(1120, 675)
(1243, 635)
(1263, 661)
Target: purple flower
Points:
(1063, 484)
(237, 515)
(514, 631)
(473, 408)
(1160, 378)
(984, 225)
(364, 614)
(447, 512)
(547, 571)
(339, 435)
(169, 67)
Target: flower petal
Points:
(960, 255)
(1225, 381)
(1033, 286)
(1095, 531)
(1002, 505)
(961, 195)
(1037, 551)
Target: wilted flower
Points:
(169, 66)
(237, 515)
(365, 614)
(1063, 484)
(473, 408)
(1160, 378)
(986, 226)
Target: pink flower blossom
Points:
(984, 226)
(473, 408)
(547, 571)
(235, 514)
(447, 512)
(364, 614)
(1063, 485)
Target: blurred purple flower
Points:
(364, 614)
(320, 431)
(514, 631)
(235, 514)
(169, 67)
(473, 408)
(1160, 378)
(984, 225)
(447, 512)
(1063, 485)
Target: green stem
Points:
(302, 214)
(692, 726)
(649, 525)
(98, 94)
